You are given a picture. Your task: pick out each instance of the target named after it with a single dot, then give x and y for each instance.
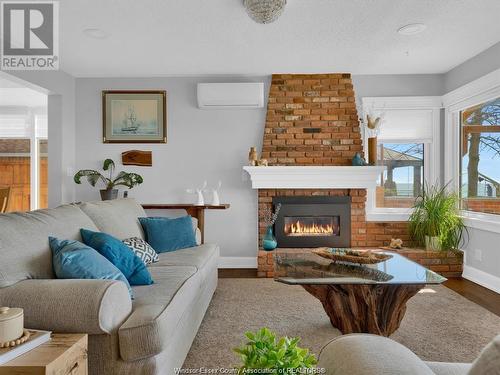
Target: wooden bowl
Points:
(352, 256)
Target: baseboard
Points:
(482, 278)
(237, 262)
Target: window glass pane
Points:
(480, 164)
(402, 182)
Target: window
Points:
(402, 181)
(480, 158)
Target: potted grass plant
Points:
(110, 181)
(435, 222)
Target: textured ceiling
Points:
(194, 37)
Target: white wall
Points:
(202, 145)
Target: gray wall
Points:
(398, 85)
(202, 145)
(478, 66)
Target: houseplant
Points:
(264, 351)
(435, 222)
(110, 181)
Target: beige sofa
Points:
(151, 334)
(364, 354)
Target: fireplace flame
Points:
(298, 228)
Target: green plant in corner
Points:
(110, 181)
(435, 222)
(264, 351)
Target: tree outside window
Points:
(480, 154)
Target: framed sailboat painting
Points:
(134, 116)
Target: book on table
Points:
(36, 339)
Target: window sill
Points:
(387, 215)
(486, 222)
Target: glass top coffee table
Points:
(368, 298)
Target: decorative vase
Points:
(432, 243)
(252, 156)
(372, 150)
(109, 194)
(269, 241)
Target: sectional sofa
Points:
(150, 334)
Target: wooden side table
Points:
(64, 354)
(193, 210)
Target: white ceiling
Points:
(197, 37)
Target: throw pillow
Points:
(120, 255)
(488, 361)
(167, 234)
(142, 249)
(74, 260)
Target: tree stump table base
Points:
(361, 308)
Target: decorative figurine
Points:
(252, 156)
(215, 194)
(358, 161)
(396, 243)
(262, 163)
(199, 193)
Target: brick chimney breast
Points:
(311, 120)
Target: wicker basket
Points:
(352, 256)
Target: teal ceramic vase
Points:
(269, 241)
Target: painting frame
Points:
(114, 100)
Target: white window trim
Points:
(479, 91)
(432, 154)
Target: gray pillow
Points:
(488, 362)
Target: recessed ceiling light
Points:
(95, 33)
(412, 29)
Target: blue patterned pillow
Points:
(75, 260)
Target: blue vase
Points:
(269, 241)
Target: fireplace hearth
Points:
(305, 221)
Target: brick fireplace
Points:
(312, 121)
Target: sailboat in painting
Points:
(130, 124)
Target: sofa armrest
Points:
(363, 354)
(87, 306)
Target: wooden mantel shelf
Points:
(197, 211)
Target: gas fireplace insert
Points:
(313, 221)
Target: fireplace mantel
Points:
(314, 177)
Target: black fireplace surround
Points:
(313, 221)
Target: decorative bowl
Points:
(352, 256)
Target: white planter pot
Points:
(432, 243)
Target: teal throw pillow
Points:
(74, 260)
(167, 234)
(120, 255)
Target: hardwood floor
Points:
(472, 291)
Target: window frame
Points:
(476, 92)
(432, 154)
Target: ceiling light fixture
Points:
(95, 33)
(412, 29)
(264, 11)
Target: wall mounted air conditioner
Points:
(244, 95)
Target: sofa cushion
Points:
(120, 255)
(196, 256)
(488, 362)
(448, 368)
(142, 249)
(118, 217)
(156, 311)
(167, 234)
(24, 241)
(364, 354)
(75, 260)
